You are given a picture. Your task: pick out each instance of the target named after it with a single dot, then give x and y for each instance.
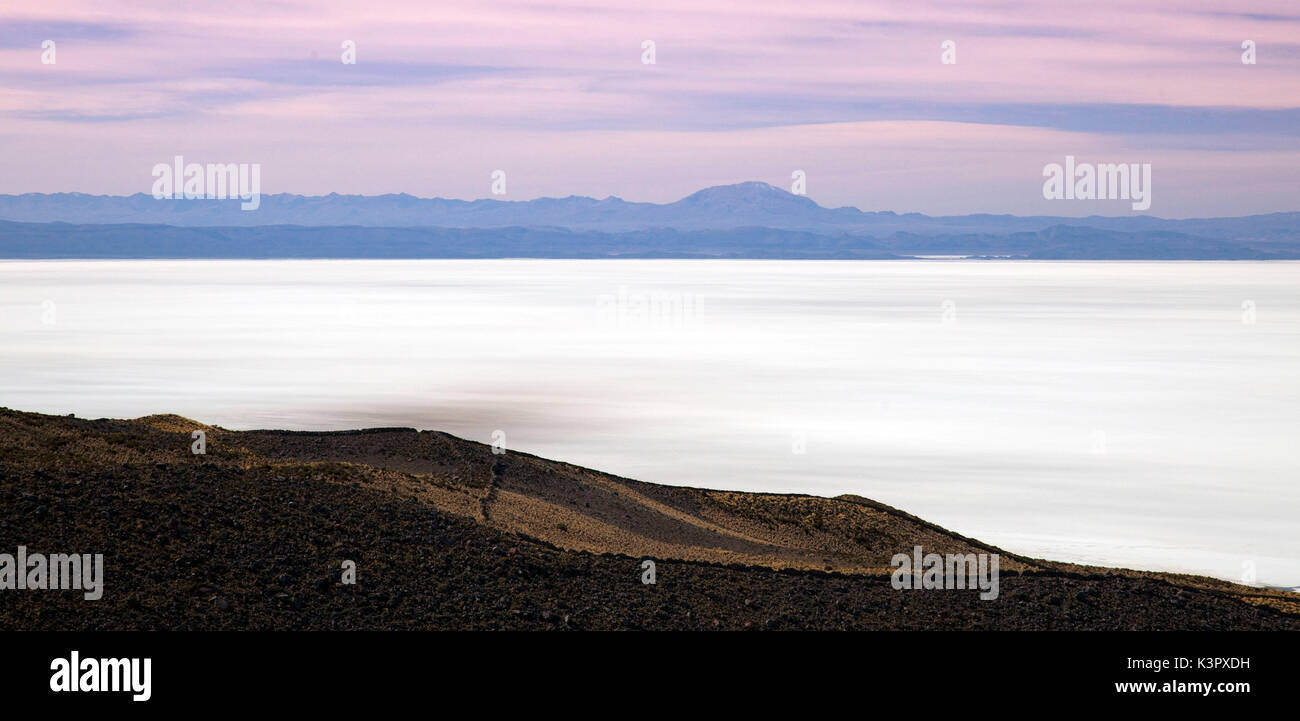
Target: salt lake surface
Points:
(1132, 414)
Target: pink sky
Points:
(556, 95)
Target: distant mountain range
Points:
(746, 220)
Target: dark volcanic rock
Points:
(237, 542)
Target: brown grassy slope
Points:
(448, 535)
(580, 509)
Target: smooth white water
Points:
(1103, 412)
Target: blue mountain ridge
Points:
(750, 219)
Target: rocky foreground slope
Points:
(447, 535)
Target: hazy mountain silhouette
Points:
(750, 204)
(62, 240)
(745, 220)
